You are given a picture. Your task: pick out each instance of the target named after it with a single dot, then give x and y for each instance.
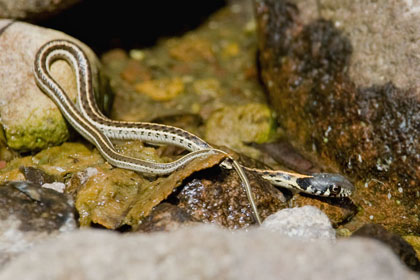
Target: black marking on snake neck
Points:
(304, 183)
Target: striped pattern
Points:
(62, 49)
(89, 121)
(325, 185)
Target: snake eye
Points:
(335, 189)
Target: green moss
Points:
(57, 161)
(37, 133)
(67, 158)
(415, 242)
(234, 126)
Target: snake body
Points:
(322, 184)
(57, 49)
(90, 122)
(92, 133)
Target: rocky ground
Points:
(65, 212)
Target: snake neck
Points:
(289, 180)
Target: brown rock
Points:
(338, 211)
(400, 247)
(341, 76)
(166, 217)
(222, 199)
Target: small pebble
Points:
(57, 186)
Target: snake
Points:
(97, 128)
(56, 50)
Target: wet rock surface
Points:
(166, 217)
(363, 123)
(205, 253)
(117, 197)
(29, 214)
(222, 199)
(30, 120)
(37, 208)
(55, 163)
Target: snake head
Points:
(327, 184)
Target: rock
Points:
(192, 49)
(166, 217)
(307, 223)
(220, 87)
(219, 197)
(104, 195)
(33, 10)
(6, 154)
(161, 90)
(204, 253)
(37, 209)
(116, 197)
(414, 241)
(52, 164)
(234, 126)
(36, 176)
(342, 77)
(204, 70)
(337, 210)
(400, 247)
(30, 120)
(283, 152)
(14, 241)
(28, 214)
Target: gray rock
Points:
(29, 118)
(383, 37)
(308, 223)
(203, 252)
(14, 241)
(33, 9)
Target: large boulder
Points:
(343, 77)
(204, 252)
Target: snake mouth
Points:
(336, 184)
